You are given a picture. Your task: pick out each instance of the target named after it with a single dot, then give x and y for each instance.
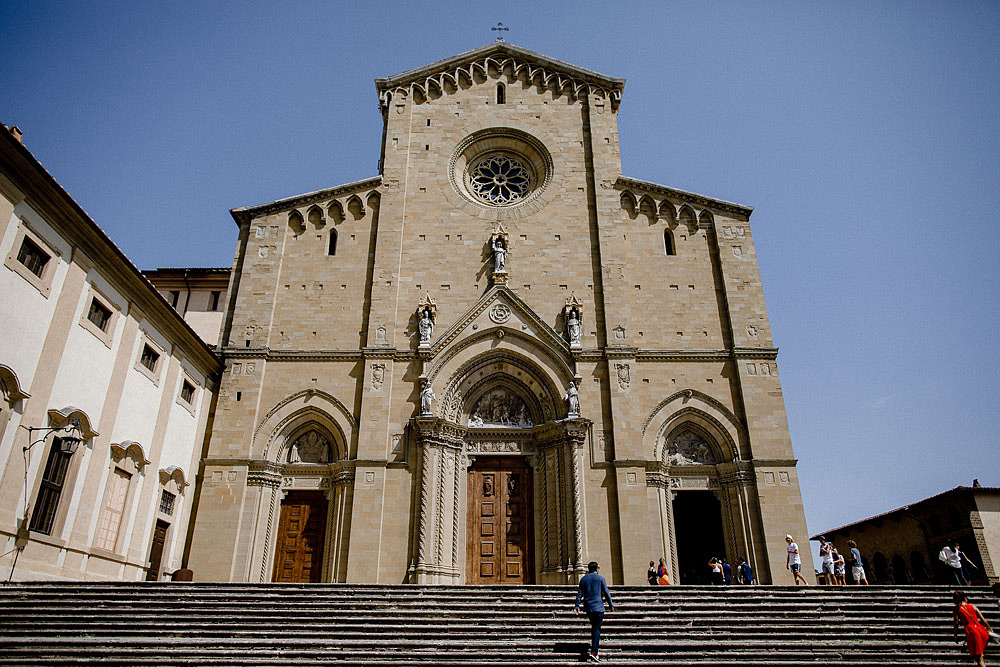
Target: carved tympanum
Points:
(500, 408)
(310, 448)
(689, 449)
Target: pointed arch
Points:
(296, 223)
(336, 212)
(706, 220)
(687, 217)
(648, 208)
(315, 217)
(355, 207)
(285, 419)
(331, 246)
(706, 414)
(668, 242)
(374, 200)
(629, 205)
(668, 213)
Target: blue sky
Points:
(865, 134)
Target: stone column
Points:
(437, 554)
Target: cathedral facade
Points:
(496, 360)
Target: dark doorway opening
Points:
(698, 529)
(156, 551)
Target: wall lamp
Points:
(68, 444)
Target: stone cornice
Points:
(769, 353)
(244, 214)
(682, 355)
(626, 183)
(537, 68)
(620, 352)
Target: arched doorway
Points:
(500, 524)
(698, 530)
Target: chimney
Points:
(16, 131)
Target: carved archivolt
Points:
(706, 414)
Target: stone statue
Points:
(499, 256)
(426, 397)
(573, 328)
(425, 327)
(573, 400)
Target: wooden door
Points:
(301, 532)
(156, 551)
(500, 531)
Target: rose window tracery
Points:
(500, 179)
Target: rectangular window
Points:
(214, 303)
(167, 503)
(99, 315)
(32, 256)
(187, 391)
(114, 507)
(149, 358)
(51, 488)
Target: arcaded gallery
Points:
(496, 359)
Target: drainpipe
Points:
(187, 297)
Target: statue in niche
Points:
(425, 327)
(689, 449)
(426, 399)
(573, 327)
(512, 486)
(500, 408)
(499, 255)
(487, 486)
(310, 448)
(572, 401)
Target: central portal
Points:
(499, 525)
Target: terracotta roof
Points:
(978, 489)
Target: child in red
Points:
(977, 629)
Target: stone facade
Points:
(647, 299)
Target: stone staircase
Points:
(281, 624)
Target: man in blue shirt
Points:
(593, 590)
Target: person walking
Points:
(793, 561)
(857, 565)
(651, 573)
(727, 571)
(593, 591)
(717, 576)
(826, 558)
(952, 556)
(744, 571)
(977, 628)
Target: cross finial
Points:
(499, 28)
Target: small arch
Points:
(668, 242)
(880, 567)
(10, 386)
(331, 248)
(336, 212)
(315, 217)
(374, 200)
(629, 204)
(918, 566)
(295, 222)
(900, 574)
(707, 220)
(667, 213)
(687, 217)
(648, 208)
(355, 207)
(65, 416)
(501, 94)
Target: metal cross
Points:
(499, 28)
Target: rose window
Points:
(500, 179)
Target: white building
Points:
(87, 342)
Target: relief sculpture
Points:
(688, 449)
(500, 408)
(310, 448)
